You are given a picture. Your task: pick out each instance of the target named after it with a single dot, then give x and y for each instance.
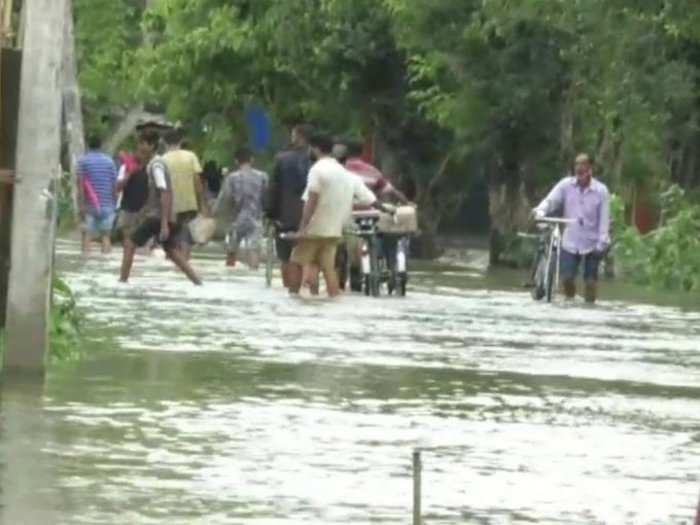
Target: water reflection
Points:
(235, 404)
(26, 472)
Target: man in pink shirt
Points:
(349, 153)
(370, 175)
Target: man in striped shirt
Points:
(97, 177)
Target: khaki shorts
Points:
(183, 220)
(129, 220)
(320, 251)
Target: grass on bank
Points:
(65, 321)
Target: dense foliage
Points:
(669, 256)
(452, 94)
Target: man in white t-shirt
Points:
(330, 194)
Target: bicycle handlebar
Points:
(554, 220)
(528, 235)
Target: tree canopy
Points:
(451, 93)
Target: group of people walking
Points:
(309, 198)
(315, 186)
(158, 195)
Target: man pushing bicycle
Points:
(585, 201)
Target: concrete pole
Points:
(72, 107)
(37, 167)
(417, 487)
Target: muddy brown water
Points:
(235, 404)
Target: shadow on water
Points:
(236, 404)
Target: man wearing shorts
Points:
(287, 187)
(158, 215)
(132, 183)
(586, 202)
(243, 191)
(97, 176)
(188, 191)
(329, 197)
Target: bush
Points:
(668, 257)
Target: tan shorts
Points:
(129, 220)
(320, 251)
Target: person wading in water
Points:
(585, 201)
(158, 217)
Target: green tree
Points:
(107, 34)
(528, 83)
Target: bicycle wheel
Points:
(539, 279)
(356, 279)
(341, 266)
(375, 275)
(269, 254)
(551, 272)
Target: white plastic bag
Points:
(404, 221)
(202, 229)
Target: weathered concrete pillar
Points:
(37, 166)
(72, 107)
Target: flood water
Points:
(235, 404)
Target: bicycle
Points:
(269, 252)
(383, 256)
(547, 261)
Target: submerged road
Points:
(235, 404)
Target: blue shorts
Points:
(99, 223)
(571, 261)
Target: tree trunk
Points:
(6, 7)
(126, 126)
(429, 216)
(72, 108)
(566, 138)
(509, 209)
(38, 157)
(432, 209)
